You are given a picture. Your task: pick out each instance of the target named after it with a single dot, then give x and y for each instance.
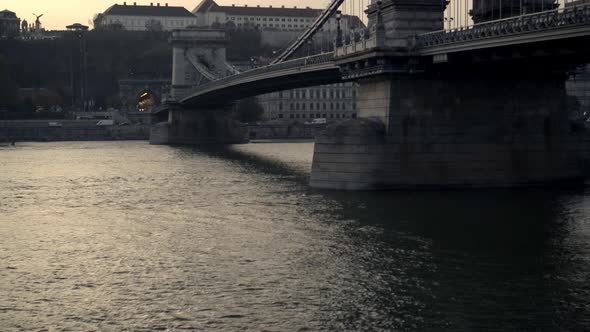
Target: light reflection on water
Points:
(115, 236)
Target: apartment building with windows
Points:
(281, 18)
(134, 17)
(330, 102)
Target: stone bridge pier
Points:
(477, 121)
(489, 128)
(200, 126)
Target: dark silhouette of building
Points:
(9, 24)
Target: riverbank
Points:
(284, 131)
(68, 130)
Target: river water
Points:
(124, 236)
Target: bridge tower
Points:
(402, 18)
(199, 56)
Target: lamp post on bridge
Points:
(338, 29)
(449, 20)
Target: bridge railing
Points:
(547, 20)
(314, 60)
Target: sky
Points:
(59, 13)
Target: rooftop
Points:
(7, 14)
(212, 6)
(151, 10)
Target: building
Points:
(209, 13)
(9, 24)
(145, 18)
(578, 86)
(330, 102)
(572, 3)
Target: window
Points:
(354, 115)
(280, 106)
(292, 107)
(331, 106)
(303, 106)
(291, 116)
(297, 106)
(280, 115)
(311, 106)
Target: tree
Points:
(8, 88)
(153, 25)
(248, 110)
(46, 99)
(114, 101)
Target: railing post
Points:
(379, 27)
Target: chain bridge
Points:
(452, 93)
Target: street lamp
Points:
(449, 20)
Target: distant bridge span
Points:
(311, 71)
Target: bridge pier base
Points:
(490, 131)
(193, 127)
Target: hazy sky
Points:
(59, 13)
